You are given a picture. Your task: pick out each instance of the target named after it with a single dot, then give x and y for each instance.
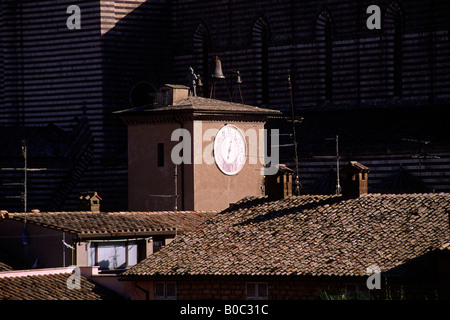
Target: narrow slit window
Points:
(328, 61)
(398, 38)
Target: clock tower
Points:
(193, 153)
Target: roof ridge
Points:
(34, 272)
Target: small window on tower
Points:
(160, 154)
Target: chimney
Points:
(279, 185)
(354, 179)
(169, 94)
(89, 201)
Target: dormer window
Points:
(111, 255)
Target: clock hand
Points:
(229, 150)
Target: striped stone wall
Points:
(362, 59)
(52, 74)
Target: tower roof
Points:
(199, 104)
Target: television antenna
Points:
(294, 137)
(25, 170)
(423, 155)
(338, 185)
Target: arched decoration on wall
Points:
(394, 25)
(142, 93)
(324, 36)
(261, 38)
(201, 44)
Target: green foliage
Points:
(341, 295)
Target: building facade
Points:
(111, 241)
(384, 91)
(309, 247)
(194, 153)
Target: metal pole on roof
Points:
(25, 170)
(64, 249)
(24, 152)
(176, 188)
(338, 185)
(297, 181)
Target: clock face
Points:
(230, 150)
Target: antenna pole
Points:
(176, 188)
(25, 170)
(297, 181)
(24, 152)
(338, 186)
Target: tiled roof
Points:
(91, 224)
(49, 286)
(202, 104)
(4, 267)
(308, 235)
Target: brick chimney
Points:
(89, 201)
(279, 185)
(354, 179)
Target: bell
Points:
(199, 81)
(238, 79)
(218, 74)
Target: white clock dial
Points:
(230, 150)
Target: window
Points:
(261, 39)
(160, 154)
(324, 35)
(201, 52)
(110, 255)
(398, 38)
(328, 61)
(265, 66)
(257, 290)
(158, 243)
(165, 290)
(394, 22)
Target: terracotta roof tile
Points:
(4, 267)
(200, 104)
(83, 223)
(51, 286)
(308, 235)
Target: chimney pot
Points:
(89, 201)
(354, 179)
(279, 185)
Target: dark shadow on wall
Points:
(137, 59)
